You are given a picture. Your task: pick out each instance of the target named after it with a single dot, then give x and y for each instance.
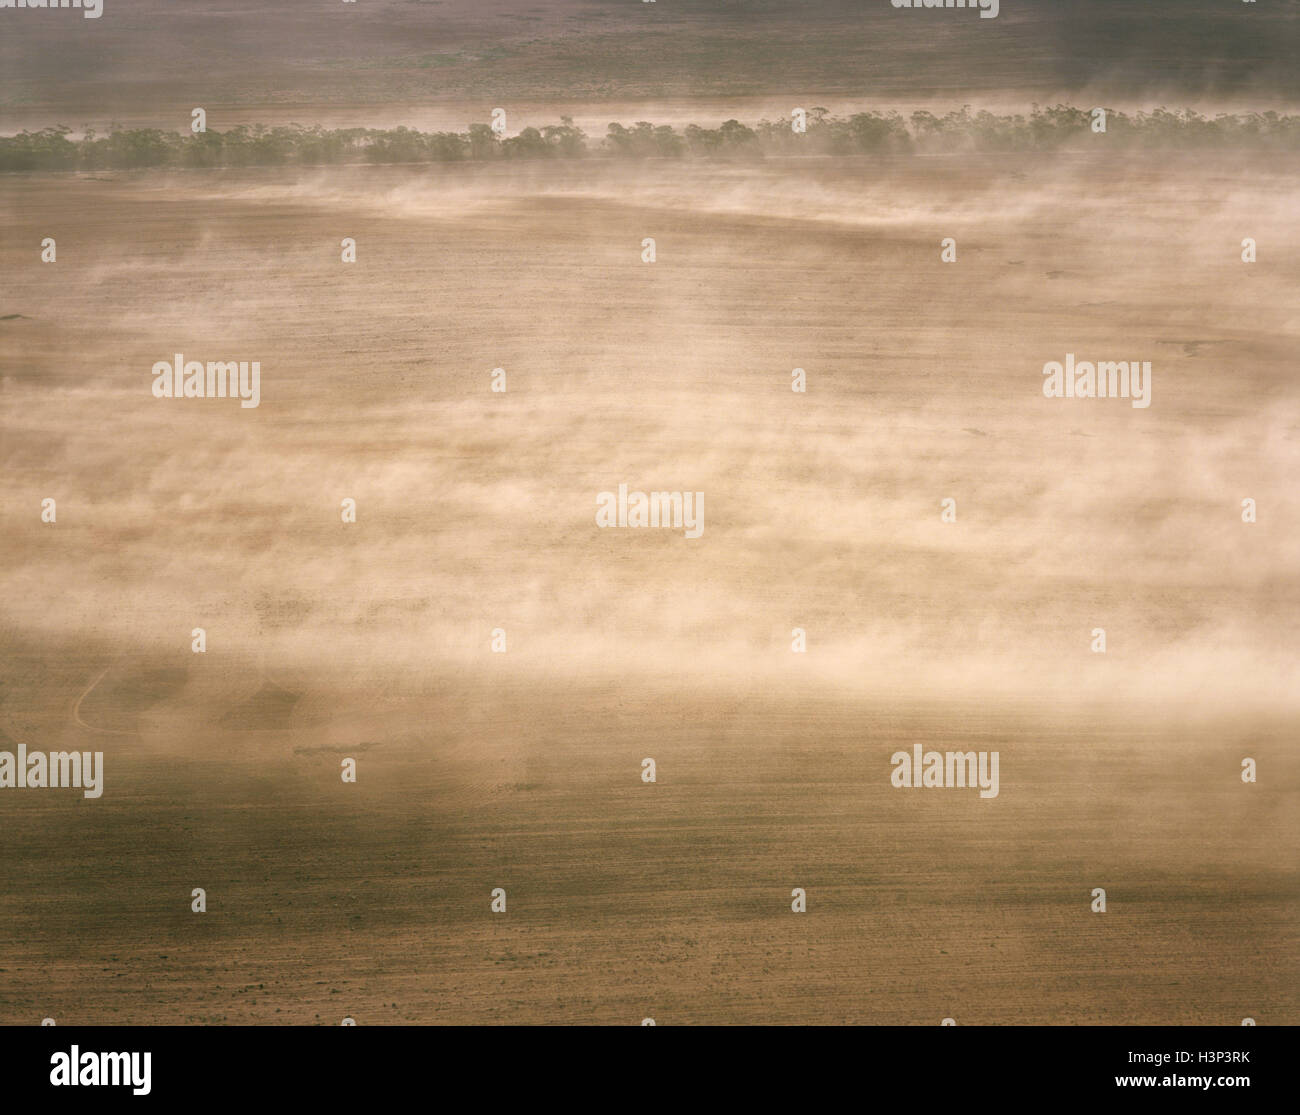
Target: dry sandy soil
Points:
(476, 510)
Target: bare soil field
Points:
(669, 900)
(476, 511)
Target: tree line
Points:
(1056, 127)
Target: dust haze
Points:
(476, 509)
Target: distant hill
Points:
(145, 54)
